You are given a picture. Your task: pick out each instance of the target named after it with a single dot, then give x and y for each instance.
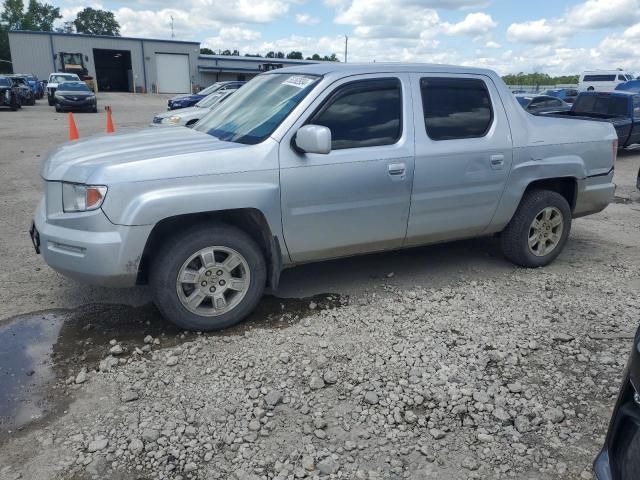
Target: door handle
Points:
(396, 169)
(497, 161)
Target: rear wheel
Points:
(538, 230)
(208, 278)
(50, 100)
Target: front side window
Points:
(456, 108)
(257, 109)
(365, 113)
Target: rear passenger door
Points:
(463, 156)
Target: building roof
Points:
(88, 35)
(255, 59)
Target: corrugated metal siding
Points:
(31, 53)
(204, 79)
(86, 46)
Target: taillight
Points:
(615, 150)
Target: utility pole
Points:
(346, 43)
(172, 34)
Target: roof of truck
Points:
(364, 68)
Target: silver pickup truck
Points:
(311, 163)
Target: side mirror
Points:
(313, 139)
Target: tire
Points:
(50, 100)
(172, 257)
(94, 109)
(58, 109)
(516, 236)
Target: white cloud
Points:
(589, 15)
(306, 19)
(473, 24)
(536, 31)
(594, 14)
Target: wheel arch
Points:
(250, 220)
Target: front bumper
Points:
(76, 104)
(101, 253)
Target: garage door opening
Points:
(113, 70)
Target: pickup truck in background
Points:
(314, 162)
(619, 108)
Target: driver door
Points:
(356, 198)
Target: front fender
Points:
(147, 203)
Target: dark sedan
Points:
(542, 103)
(183, 101)
(620, 457)
(75, 96)
(9, 95)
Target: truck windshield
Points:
(62, 78)
(608, 105)
(252, 113)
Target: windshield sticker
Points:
(298, 81)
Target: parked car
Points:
(184, 101)
(631, 86)
(620, 456)
(315, 162)
(75, 96)
(9, 96)
(602, 80)
(565, 94)
(34, 84)
(27, 97)
(187, 117)
(619, 108)
(54, 80)
(542, 103)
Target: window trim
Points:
(348, 87)
(492, 116)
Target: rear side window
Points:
(622, 78)
(365, 113)
(599, 78)
(455, 108)
(607, 105)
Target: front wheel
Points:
(538, 230)
(208, 278)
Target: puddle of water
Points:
(25, 365)
(38, 349)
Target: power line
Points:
(346, 43)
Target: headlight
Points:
(82, 198)
(173, 119)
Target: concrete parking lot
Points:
(438, 362)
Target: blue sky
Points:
(557, 37)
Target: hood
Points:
(180, 113)
(135, 155)
(185, 98)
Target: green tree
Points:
(38, 16)
(206, 51)
(295, 55)
(97, 22)
(12, 15)
(67, 27)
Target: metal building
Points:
(116, 63)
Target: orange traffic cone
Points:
(73, 130)
(110, 128)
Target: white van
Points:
(602, 80)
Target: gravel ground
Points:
(487, 371)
